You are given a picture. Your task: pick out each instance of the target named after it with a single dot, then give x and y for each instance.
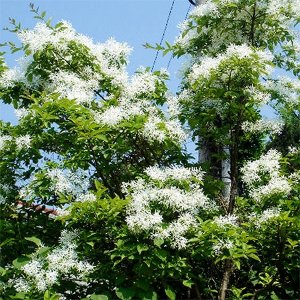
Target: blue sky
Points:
(133, 21)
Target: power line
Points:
(186, 15)
(163, 35)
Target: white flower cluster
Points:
(263, 177)
(62, 181)
(68, 182)
(258, 96)
(183, 40)
(274, 127)
(141, 83)
(21, 142)
(88, 197)
(4, 190)
(265, 216)
(293, 150)
(228, 220)
(111, 56)
(209, 64)
(42, 35)
(130, 96)
(126, 109)
(156, 129)
(161, 208)
(272, 7)
(22, 113)
(62, 263)
(286, 88)
(276, 7)
(295, 178)
(4, 140)
(136, 100)
(174, 173)
(207, 8)
(173, 105)
(221, 245)
(10, 76)
(71, 86)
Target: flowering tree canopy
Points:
(99, 196)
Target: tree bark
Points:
(225, 280)
(225, 175)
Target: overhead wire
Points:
(163, 35)
(186, 15)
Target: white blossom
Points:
(42, 35)
(22, 113)
(4, 139)
(152, 129)
(173, 106)
(209, 64)
(208, 8)
(221, 245)
(88, 197)
(228, 220)
(21, 285)
(71, 86)
(287, 89)
(276, 185)
(259, 97)
(68, 182)
(4, 191)
(11, 76)
(151, 200)
(263, 177)
(265, 216)
(274, 127)
(23, 142)
(141, 83)
(62, 262)
(111, 116)
(176, 173)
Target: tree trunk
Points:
(225, 175)
(225, 280)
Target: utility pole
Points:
(205, 151)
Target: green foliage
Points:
(64, 164)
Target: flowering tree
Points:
(98, 196)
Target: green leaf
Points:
(141, 248)
(237, 264)
(7, 241)
(161, 254)
(254, 256)
(125, 293)
(274, 296)
(18, 296)
(188, 283)
(91, 244)
(102, 137)
(149, 296)
(158, 242)
(170, 293)
(47, 295)
(34, 240)
(99, 297)
(2, 271)
(20, 262)
(292, 243)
